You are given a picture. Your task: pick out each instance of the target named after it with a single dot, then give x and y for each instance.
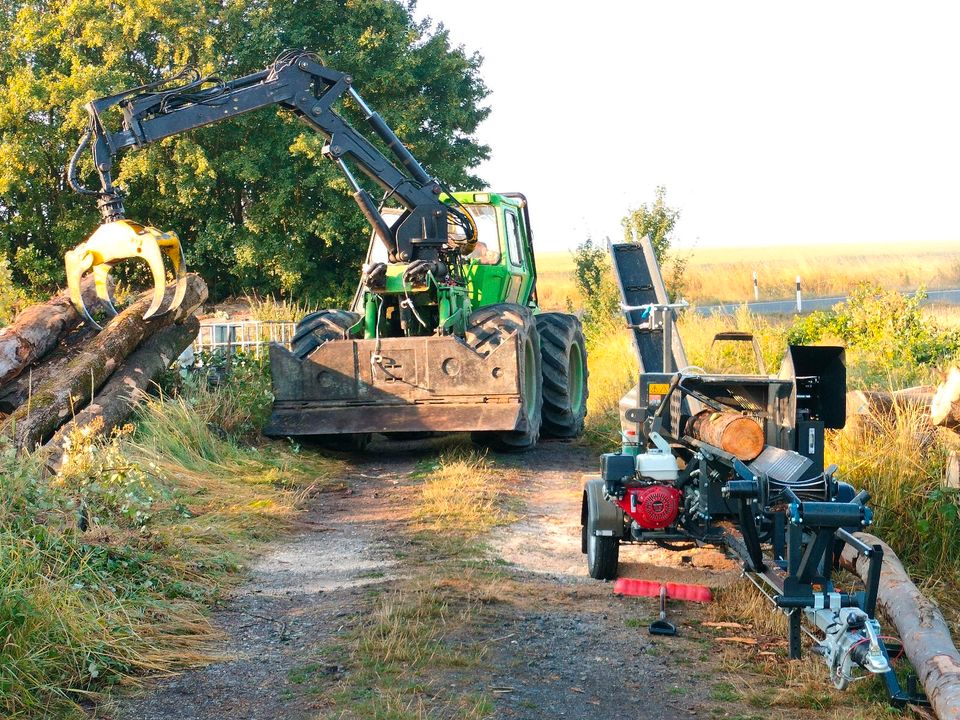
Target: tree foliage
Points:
(592, 262)
(255, 204)
(655, 220)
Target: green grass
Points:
(416, 636)
(174, 506)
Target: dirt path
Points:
(299, 597)
(562, 646)
(577, 650)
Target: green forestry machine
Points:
(444, 333)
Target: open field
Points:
(716, 275)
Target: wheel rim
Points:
(591, 548)
(575, 378)
(530, 381)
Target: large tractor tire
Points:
(313, 331)
(318, 327)
(487, 328)
(565, 374)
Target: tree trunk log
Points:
(736, 434)
(38, 329)
(19, 390)
(61, 396)
(921, 626)
(867, 402)
(116, 400)
(945, 406)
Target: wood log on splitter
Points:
(61, 397)
(739, 435)
(920, 625)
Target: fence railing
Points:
(248, 336)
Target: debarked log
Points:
(920, 624)
(739, 435)
(945, 405)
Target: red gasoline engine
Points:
(654, 507)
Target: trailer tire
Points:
(565, 374)
(319, 327)
(487, 328)
(603, 555)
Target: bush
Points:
(594, 280)
(894, 343)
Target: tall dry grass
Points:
(107, 570)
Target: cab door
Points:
(518, 265)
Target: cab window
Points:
(487, 250)
(513, 238)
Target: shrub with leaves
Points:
(893, 340)
(111, 487)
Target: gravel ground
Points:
(563, 647)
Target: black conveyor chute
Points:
(638, 277)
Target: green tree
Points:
(255, 204)
(655, 220)
(592, 262)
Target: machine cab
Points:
(501, 266)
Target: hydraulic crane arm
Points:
(298, 82)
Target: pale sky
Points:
(768, 122)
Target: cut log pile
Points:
(941, 404)
(56, 376)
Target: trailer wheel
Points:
(318, 327)
(603, 552)
(603, 556)
(565, 374)
(487, 328)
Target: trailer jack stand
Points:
(660, 626)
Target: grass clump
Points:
(407, 651)
(270, 309)
(901, 460)
(106, 570)
(463, 490)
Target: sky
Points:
(767, 122)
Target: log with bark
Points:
(920, 624)
(38, 329)
(945, 405)
(19, 390)
(880, 402)
(116, 400)
(60, 397)
(737, 434)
